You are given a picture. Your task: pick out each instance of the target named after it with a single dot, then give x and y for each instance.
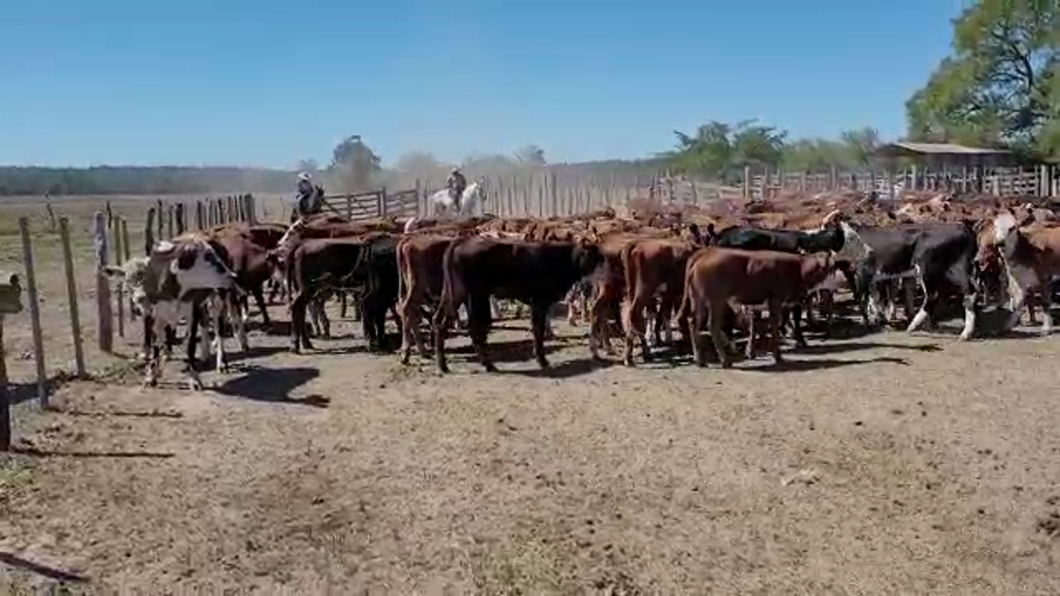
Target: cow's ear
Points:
(186, 258)
(112, 271)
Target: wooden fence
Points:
(374, 203)
(1041, 181)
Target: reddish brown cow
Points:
(717, 278)
(653, 267)
(420, 282)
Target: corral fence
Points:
(112, 246)
(1039, 181)
(374, 203)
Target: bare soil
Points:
(884, 463)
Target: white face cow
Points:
(166, 284)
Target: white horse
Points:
(470, 201)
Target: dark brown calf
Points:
(536, 273)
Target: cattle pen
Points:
(868, 459)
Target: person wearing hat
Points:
(456, 183)
(309, 197)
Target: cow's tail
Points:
(404, 268)
(630, 271)
(451, 286)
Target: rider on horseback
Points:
(309, 199)
(456, 183)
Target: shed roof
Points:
(906, 149)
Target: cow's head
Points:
(587, 256)
(817, 268)
(133, 276)
(198, 265)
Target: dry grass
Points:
(879, 464)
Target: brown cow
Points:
(420, 281)
(1031, 258)
(652, 267)
(716, 278)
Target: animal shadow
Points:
(274, 385)
(789, 365)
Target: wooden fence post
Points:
(169, 219)
(181, 223)
(34, 310)
(119, 254)
(71, 296)
(149, 232)
(200, 215)
(104, 317)
(161, 216)
(10, 303)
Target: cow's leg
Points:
(240, 314)
(811, 300)
(220, 310)
(342, 305)
(665, 319)
(194, 324)
(538, 323)
(408, 315)
(908, 289)
(571, 302)
(259, 299)
(717, 334)
(796, 324)
(478, 327)
(495, 308)
(443, 318)
(633, 323)
(696, 322)
(925, 307)
(1047, 314)
(776, 307)
(752, 320)
(299, 336)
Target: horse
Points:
(470, 201)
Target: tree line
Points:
(1000, 87)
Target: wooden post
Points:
(161, 215)
(149, 232)
(34, 310)
(5, 398)
(104, 316)
(119, 254)
(746, 182)
(10, 303)
(169, 219)
(381, 202)
(180, 218)
(252, 213)
(71, 297)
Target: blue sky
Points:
(240, 82)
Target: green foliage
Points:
(719, 151)
(999, 85)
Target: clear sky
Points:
(268, 82)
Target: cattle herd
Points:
(636, 276)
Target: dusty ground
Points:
(878, 464)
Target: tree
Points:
(356, 162)
(860, 145)
(999, 85)
(717, 150)
(530, 156)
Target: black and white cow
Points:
(935, 255)
(183, 278)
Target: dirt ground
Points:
(884, 463)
